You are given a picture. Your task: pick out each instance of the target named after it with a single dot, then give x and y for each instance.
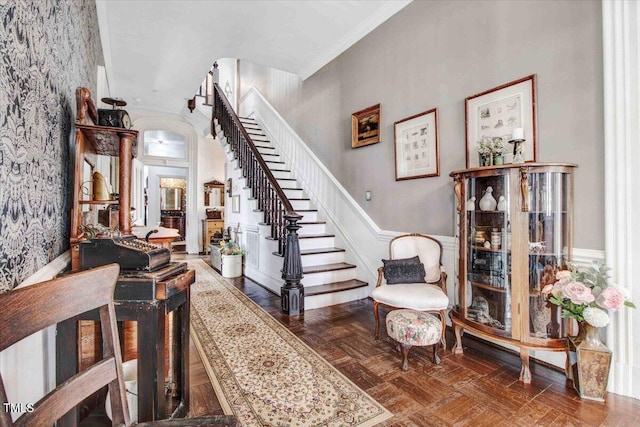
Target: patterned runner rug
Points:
(261, 372)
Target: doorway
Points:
(168, 149)
(167, 180)
(173, 204)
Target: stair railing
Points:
(270, 197)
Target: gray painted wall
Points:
(435, 54)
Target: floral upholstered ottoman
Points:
(412, 327)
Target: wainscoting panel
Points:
(252, 254)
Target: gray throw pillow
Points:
(406, 270)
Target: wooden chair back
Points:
(31, 309)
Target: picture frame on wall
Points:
(365, 127)
(495, 113)
(416, 146)
(235, 203)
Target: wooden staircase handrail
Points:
(277, 211)
(289, 211)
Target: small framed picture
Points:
(416, 146)
(497, 112)
(235, 204)
(365, 127)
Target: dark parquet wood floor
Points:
(478, 388)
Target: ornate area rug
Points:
(261, 372)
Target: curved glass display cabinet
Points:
(515, 233)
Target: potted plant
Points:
(485, 151)
(231, 259)
(498, 148)
(586, 295)
(491, 151)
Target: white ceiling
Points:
(158, 52)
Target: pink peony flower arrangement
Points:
(586, 295)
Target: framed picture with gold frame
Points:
(365, 127)
(416, 146)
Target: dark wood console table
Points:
(146, 298)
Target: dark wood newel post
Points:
(292, 292)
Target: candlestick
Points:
(518, 133)
(517, 150)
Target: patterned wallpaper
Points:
(47, 49)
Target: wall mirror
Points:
(171, 199)
(214, 193)
(172, 194)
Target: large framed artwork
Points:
(416, 146)
(497, 112)
(365, 127)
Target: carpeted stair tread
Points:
(329, 288)
(326, 267)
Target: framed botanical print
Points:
(416, 146)
(365, 127)
(497, 112)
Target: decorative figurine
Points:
(488, 202)
(471, 204)
(502, 204)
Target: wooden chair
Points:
(430, 296)
(28, 310)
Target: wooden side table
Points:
(146, 298)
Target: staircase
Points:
(328, 279)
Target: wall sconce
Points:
(191, 104)
(367, 195)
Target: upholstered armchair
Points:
(401, 286)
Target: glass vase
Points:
(590, 362)
(485, 159)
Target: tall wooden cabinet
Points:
(514, 232)
(94, 140)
